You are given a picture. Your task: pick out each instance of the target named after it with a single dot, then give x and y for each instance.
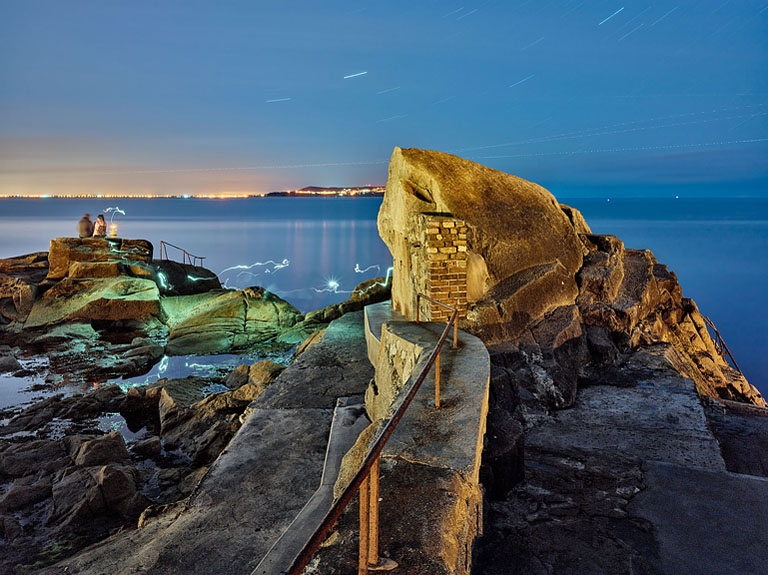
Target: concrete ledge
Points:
(376, 316)
(452, 436)
(431, 498)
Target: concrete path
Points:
(706, 522)
(349, 421)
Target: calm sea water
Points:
(313, 251)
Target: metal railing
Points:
(720, 346)
(366, 480)
(187, 257)
(454, 319)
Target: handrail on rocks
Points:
(187, 257)
(366, 480)
(720, 346)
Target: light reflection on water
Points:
(18, 392)
(322, 240)
(201, 366)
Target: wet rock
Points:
(69, 411)
(102, 450)
(8, 363)
(174, 278)
(150, 447)
(76, 499)
(117, 484)
(176, 395)
(29, 458)
(26, 491)
(221, 320)
(259, 374)
(140, 408)
(202, 429)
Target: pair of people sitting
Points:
(86, 228)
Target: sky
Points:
(232, 97)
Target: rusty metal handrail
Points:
(720, 346)
(453, 310)
(186, 256)
(371, 461)
(452, 320)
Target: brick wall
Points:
(445, 265)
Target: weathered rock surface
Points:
(67, 492)
(247, 498)
(634, 302)
(99, 299)
(174, 279)
(592, 501)
(98, 257)
(553, 299)
(19, 280)
(222, 320)
(77, 489)
(523, 250)
(101, 308)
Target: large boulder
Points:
(174, 278)
(19, 281)
(98, 257)
(224, 320)
(523, 251)
(102, 299)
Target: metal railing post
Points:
(437, 381)
(373, 511)
(366, 481)
(455, 330)
(365, 530)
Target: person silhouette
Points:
(85, 226)
(100, 227)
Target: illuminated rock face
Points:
(556, 304)
(522, 250)
(102, 307)
(96, 257)
(629, 301)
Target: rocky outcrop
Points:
(629, 301)
(75, 490)
(101, 308)
(98, 257)
(224, 320)
(523, 250)
(556, 304)
(77, 484)
(19, 281)
(95, 299)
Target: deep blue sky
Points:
(249, 96)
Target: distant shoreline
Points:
(308, 192)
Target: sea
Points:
(313, 251)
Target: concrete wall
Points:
(431, 509)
